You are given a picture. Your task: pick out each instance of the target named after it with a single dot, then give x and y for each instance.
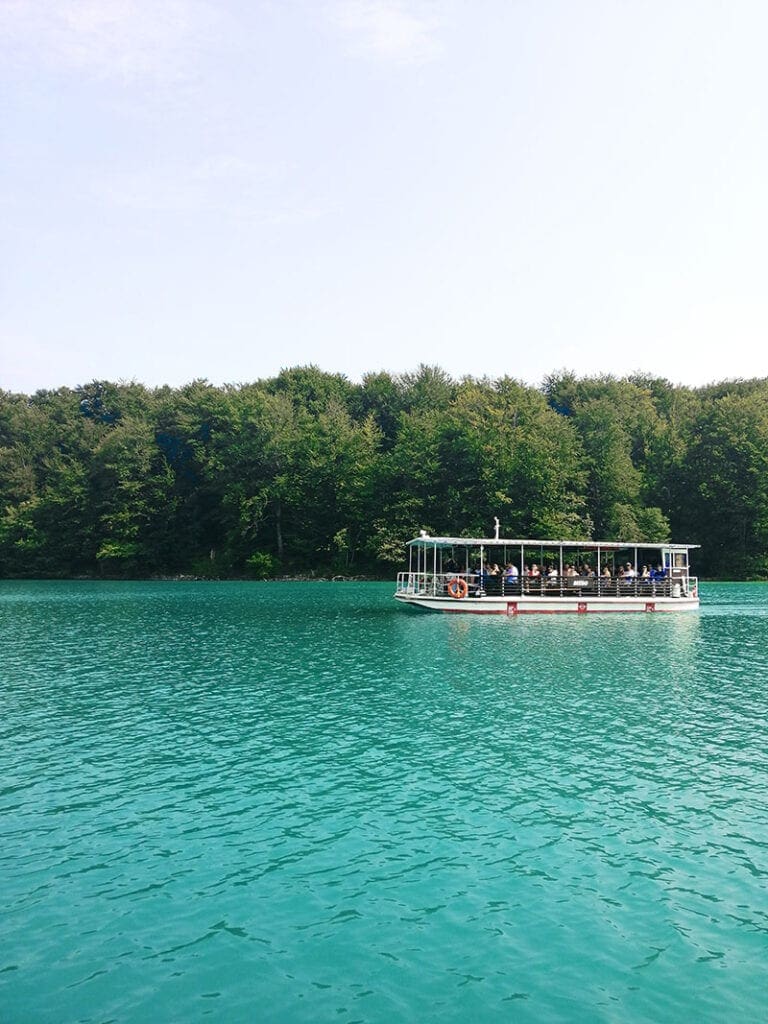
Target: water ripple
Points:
(297, 802)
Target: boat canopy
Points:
(605, 545)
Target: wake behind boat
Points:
(493, 575)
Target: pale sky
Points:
(221, 188)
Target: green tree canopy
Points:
(308, 472)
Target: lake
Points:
(300, 803)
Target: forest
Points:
(309, 474)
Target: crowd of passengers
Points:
(511, 572)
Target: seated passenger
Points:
(645, 574)
(511, 573)
(659, 573)
(606, 573)
(629, 572)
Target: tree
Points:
(726, 479)
(132, 494)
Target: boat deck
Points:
(574, 587)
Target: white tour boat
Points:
(497, 576)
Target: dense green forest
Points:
(309, 473)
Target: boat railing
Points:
(474, 584)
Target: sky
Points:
(197, 189)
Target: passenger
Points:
(570, 571)
(629, 572)
(645, 573)
(552, 574)
(659, 573)
(510, 577)
(587, 570)
(535, 571)
(606, 573)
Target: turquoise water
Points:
(298, 802)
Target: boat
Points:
(459, 575)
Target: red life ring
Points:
(457, 588)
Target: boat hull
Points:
(546, 605)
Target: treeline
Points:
(308, 472)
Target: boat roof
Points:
(607, 545)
